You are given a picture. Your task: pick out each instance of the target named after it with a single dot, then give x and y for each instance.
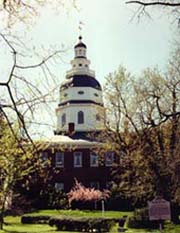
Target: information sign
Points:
(159, 209)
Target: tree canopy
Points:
(144, 121)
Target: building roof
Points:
(81, 44)
(81, 81)
(66, 142)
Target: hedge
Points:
(82, 224)
(40, 219)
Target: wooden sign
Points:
(159, 209)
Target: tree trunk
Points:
(1, 219)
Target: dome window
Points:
(63, 119)
(80, 117)
(65, 94)
(80, 92)
(80, 64)
(96, 94)
(98, 118)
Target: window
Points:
(80, 92)
(65, 94)
(95, 94)
(109, 159)
(44, 158)
(63, 119)
(59, 159)
(80, 64)
(77, 159)
(93, 160)
(94, 184)
(59, 186)
(98, 118)
(80, 117)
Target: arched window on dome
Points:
(80, 117)
(63, 119)
(98, 118)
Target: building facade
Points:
(74, 152)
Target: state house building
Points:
(80, 114)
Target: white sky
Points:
(111, 38)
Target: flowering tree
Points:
(81, 193)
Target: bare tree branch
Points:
(19, 99)
(153, 3)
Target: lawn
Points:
(14, 223)
(81, 213)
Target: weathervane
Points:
(80, 27)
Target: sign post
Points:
(159, 209)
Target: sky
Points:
(111, 36)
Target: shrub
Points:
(141, 220)
(82, 224)
(27, 219)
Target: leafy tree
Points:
(81, 193)
(14, 165)
(143, 127)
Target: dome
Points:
(80, 44)
(81, 81)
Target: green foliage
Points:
(14, 164)
(82, 224)
(143, 129)
(52, 198)
(141, 220)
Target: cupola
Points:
(80, 49)
(80, 102)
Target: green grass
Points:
(14, 223)
(81, 213)
(14, 226)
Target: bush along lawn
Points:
(37, 221)
(14, 225)
(82, 224)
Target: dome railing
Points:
(80, 71)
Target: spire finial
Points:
(80, 38)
